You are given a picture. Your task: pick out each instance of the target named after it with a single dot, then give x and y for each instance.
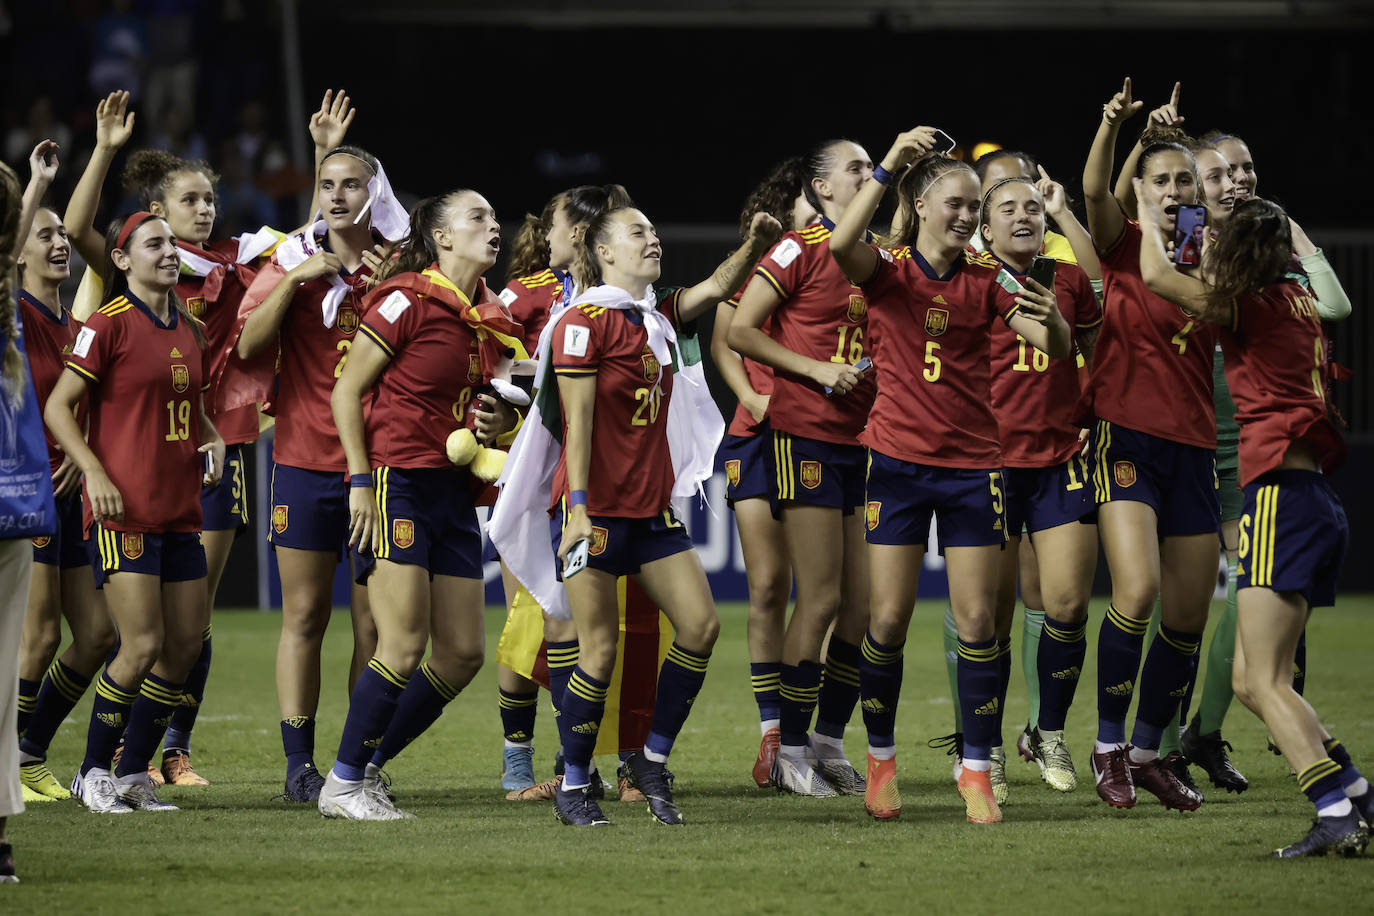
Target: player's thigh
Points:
(973, 574)
(1066, 560)
(678, 585)
(895, 571)
(815, 536)
(400, 598)
(307, 585)
(1130, 540)
(1188, 579)
(1268, 627)
(1008, 569)
(594, 598)
(764, 548)
(457, 626)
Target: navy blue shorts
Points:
(65, 549)
(817, 473)
(621, 546)
(427, 520)
(172, 556)
(1041, 498)
(968, 505)
(309, 509)
(1293, 536)
(748, 463)
(225, 507)
(1178, 481)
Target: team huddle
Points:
(985, 366)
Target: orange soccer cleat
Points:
(881, 798)
(976, 789)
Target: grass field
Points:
(232, 849)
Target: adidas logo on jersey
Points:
(1121, 690)
(987, 709)
(1068, 674)
(874, 705)
(587, 728)
(175, 354)
(939, 300)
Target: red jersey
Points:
(760, 379)
(631, 474)
(822, 316)
(145, 380)
(530, 300)
(1152, 370)
(932, 336)
(1034, 397)
(311, 358)
(48, 342)
(436, 366)
(1276, 369)
(214, 300)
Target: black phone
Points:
(943, 142)
(1042, 271)
(1189, 224)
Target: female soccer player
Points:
(819, 327)
(1046, 478)
(306, 306)
(426, 346)
(933, 442)
(1153, 474)
(23, 498)
(139, 359)
(541, 279)
(614, 354)
(61, 584)
(747, 457)
(1293, 532)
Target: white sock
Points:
(794, 751)
(977, 766)
(1357, 788)
(1142, 755)
(1339, 809)
(1102, 747)
(519, 744)
(371, 770)
(654, 756)
(882, 753)
(767, 725)
(26, 759)
(132, 778)
(826, 746)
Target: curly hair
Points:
(775, 195)
(12, 371)
(1252, 250)
(148, 174)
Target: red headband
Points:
(133, 222)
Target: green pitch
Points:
(233, 849)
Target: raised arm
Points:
(328, 127)
(42, 170)
(1332, 302)
(114, 125)
(732, 367)
(855, 257)
(1105, 221)
(1057, 206)
(1165, 115)
(726, 279)
(1159, 274)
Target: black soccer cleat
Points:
(1330, 836)
(652, 779)
(1209, 752)
(576, 808)
(1179, 764)
(303, 785)
(7, 875)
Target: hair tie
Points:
(133, 222)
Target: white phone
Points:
(577, 558)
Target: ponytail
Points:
(587, 266)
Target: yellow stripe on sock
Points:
(1319, 770)
(387, 673)
(587, 691)
(444, 688)
(690, 661)
(107, 689)
(1126, 624)
(978, 655)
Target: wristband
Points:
(577, 498)
(882, 176)
(356, 481)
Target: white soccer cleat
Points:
(842, 776)
(798, 776)
(96, 790)
(354, 801)
(136, 791)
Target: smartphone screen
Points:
(943, 142)
(1042, 272)
(1190, 223)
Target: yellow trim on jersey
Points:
(378, 340)
(982, 259)
(115, 307)
(814, 235)
(84, 373)
(574, 371)
(1090, 325)
(772, 281)
(544, 278)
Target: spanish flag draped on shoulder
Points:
(519, 529)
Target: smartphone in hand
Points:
(1042, 271)
(1190, 222)
(863, 365)
(577, 558)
